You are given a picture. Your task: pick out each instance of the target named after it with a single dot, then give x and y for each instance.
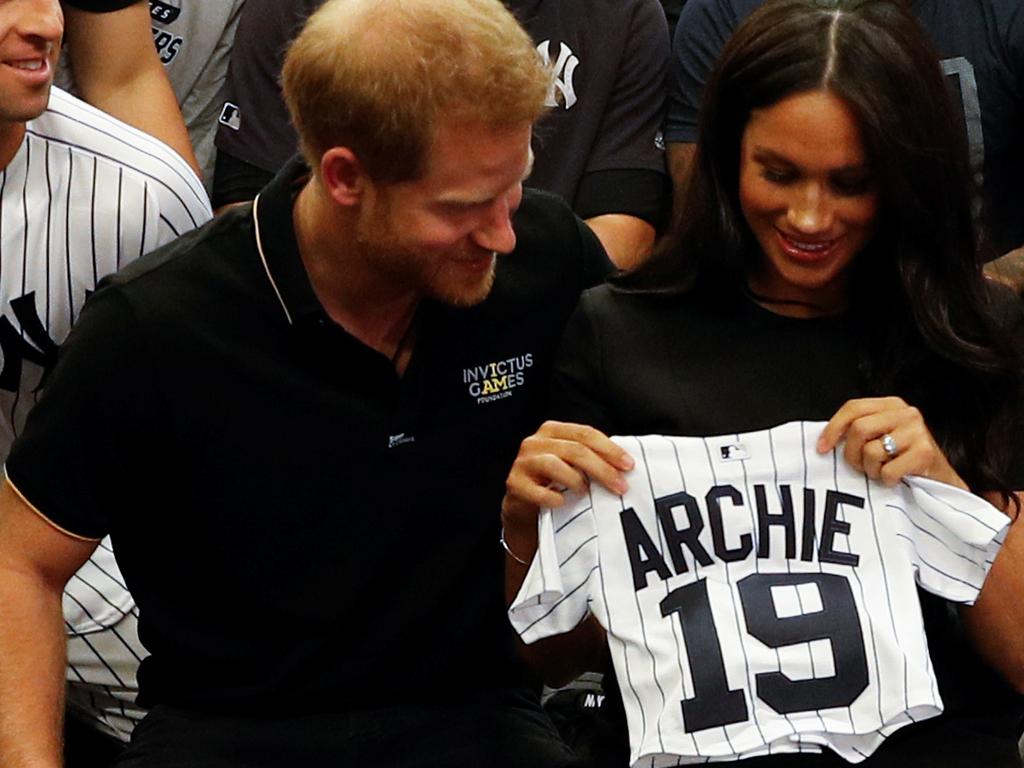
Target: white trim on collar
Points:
(263, 258)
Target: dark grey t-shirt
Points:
(982, 48)
(599, 148)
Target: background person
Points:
(81, 195)
(116, 68)
(598, 146)
(113, 67)
(824, 268)
(390, 315)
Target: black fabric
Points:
(235, 180)
(676, 365)
(260, 131)
(504, 730)
(302, 529)
(100, 6)
(610, 59)
(672, 10)
(982, 50)
(86, 747)
(637, 193)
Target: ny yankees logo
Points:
(16, 350)
(563, 91)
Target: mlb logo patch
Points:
(734, 452)
(230, 116)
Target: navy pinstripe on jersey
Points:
(84, 195)
(759, 597)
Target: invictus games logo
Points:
(563, 89)
(495, 381)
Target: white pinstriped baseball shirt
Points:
(758, 597)
(84, 195)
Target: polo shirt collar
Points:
(279, 248)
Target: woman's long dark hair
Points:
(917, 289)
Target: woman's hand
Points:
(556, 458)
(887, 439)
(560, 457)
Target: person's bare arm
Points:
(680, 156)
(36, 560)
(116, 68)
(626, 239)
(995, 623)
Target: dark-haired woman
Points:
(824, 268)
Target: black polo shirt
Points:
(300, 527)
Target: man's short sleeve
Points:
(628, 135)
(703, 29)
(254, 123)
(81, 449)
(625, 170)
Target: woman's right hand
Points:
(557, 457)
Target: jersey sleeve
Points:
(953, 538)
(80, 457)
(555, 595)
(700, 35)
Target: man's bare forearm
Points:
(36, 560)
(32, 662)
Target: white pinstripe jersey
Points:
(84, 195)
(759, 597)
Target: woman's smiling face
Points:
(808, 195)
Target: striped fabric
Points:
(759, 597)
(84, 195)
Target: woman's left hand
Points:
(887, 439)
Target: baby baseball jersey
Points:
(759, 597)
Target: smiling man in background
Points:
(317, 398)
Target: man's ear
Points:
(343, 175)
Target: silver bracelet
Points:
(509, 552)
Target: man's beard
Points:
(408, 268)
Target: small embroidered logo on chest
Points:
(497, 380)
(400, 439)
(563, 86)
